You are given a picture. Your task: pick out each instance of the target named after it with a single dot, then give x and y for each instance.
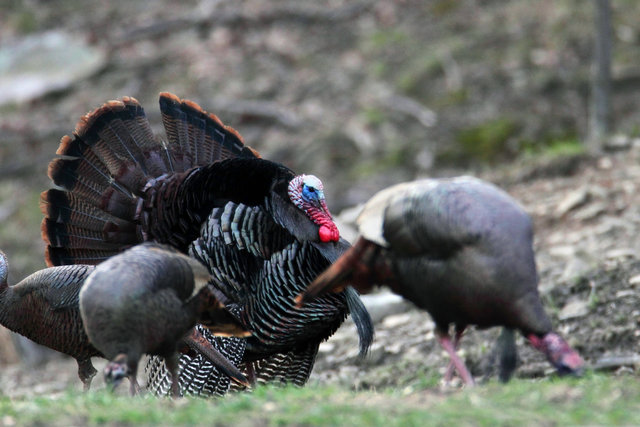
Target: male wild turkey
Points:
(263, 231)
(44, 307)
(462, 250)
(145, 300)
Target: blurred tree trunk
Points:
(600, 120)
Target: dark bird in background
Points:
(44, 307)
(146, 300)
(462, 250)
(263, 232)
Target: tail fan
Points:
(199, 134)
(109, 161)
(102, 171)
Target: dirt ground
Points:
(586, 241)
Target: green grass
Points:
(594, 399)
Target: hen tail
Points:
(106, 166)
(196, 341)
(352, 268)
(507, 354)
(198, 376)
(355, 267)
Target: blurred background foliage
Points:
(362, 93)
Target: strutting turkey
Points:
(145, 300)
(462, 250)
(262, 230)
(44, 307)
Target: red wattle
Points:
(329, 234)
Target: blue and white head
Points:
(312, 189)
(307, 193)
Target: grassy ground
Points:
(595, 399)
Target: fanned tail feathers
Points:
(106, 165)
(200, 134)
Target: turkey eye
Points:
(313, 190)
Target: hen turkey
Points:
(145, 300)
(462, 250)
(44, 307)
(263, 231)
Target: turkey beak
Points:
(570, 364)
(323, 206)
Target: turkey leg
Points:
(445, 342)
(456, 342)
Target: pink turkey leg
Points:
(446, 343)
(456, 341)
